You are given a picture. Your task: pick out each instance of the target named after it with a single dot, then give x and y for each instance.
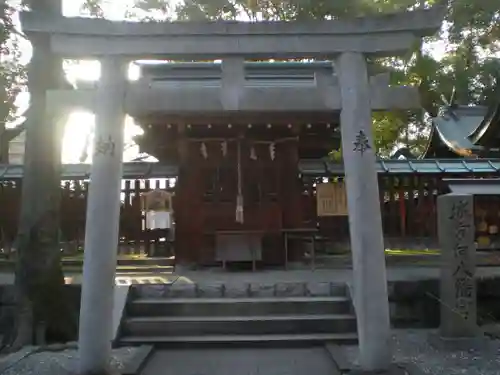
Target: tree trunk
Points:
(39, 280)
(4, 143)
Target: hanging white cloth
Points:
(204, 151)
(240, 215)
(253, 153)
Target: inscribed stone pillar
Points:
(365, 222)
(102, 222)
(458, 253)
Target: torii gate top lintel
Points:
(387, 34)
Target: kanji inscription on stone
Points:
(361, 143)
(105, 146)
(458, 289)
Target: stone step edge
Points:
(229, 290)
(239, 338)
(235, 300)
(240, 318)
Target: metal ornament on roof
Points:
(449, 105)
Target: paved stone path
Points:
(236, 361)
(403, 273)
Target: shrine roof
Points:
(159, 71)
(258, 93)
(455, 130)
(391, 166)
(131, 171)
(257, 74)
(465, 131)
(461, 131)
(310, 167)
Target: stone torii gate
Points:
(346, 42)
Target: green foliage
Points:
(469, 40)
(93, 8)
(151, 10)
(12, 72)
(12, 78)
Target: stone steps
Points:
(238, 306)
(144, 269)
(146, 261)
(339, 338)
(208, 314)
(241, 290)
(233, 325)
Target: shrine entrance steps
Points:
(198, 315)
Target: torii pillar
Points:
(365, 221)
(103, 218)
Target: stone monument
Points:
(458, 288)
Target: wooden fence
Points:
(408, 207)
(133, 237)
(408, 204)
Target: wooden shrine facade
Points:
(404, 219)
(239, 190)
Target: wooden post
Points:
(189, 226)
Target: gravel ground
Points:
(62, 363)
(412, 346)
